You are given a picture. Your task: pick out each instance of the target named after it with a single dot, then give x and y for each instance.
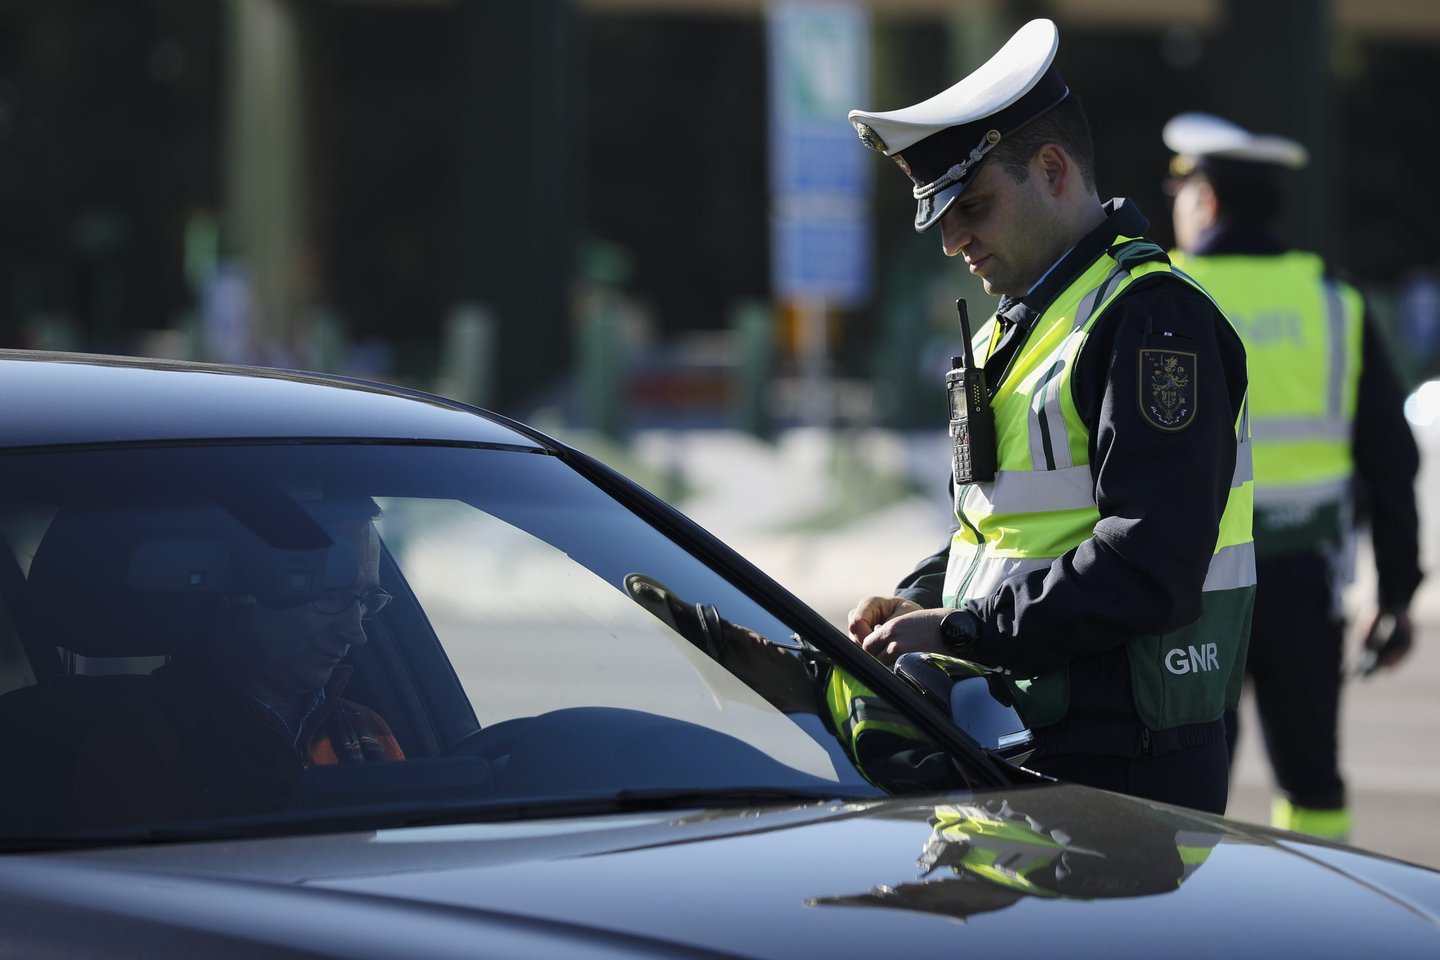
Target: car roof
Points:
(67, 398)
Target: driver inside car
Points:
(228, 726)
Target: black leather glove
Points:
(1386, 643)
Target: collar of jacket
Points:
(1122, 218)
(1239, 238)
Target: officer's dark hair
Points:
(1253, 192)
(1064, 124)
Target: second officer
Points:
(1329, 434)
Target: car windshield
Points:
(198, 639)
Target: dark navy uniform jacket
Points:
(1160, 496)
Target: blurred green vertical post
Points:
(468, 359)
(326, 337)
(602, 364)
(753, 327)
(200, 258)
(906, 396)
(1277, 78)
(264, 156)
(518, 154)
(976, 31)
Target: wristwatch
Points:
(959, 632)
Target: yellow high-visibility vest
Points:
(1041, 505)
(1302, 334)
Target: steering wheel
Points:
(493, 743)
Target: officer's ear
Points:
(1054, 168)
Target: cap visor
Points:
(929, 210)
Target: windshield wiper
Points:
(631, 801)
(398, 815)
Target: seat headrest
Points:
(145, 581)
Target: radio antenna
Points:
(965, 331)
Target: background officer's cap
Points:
(1201, 141)
(940, 143)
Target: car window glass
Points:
(529, 631)
(286, 630)
(15, 668)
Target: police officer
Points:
(1326, 412)
(1107, 567)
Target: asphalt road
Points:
(758, 497)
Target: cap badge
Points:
(869, 137)
(1182, 166)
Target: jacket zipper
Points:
(979, 544)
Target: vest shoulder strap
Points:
(1129, 254)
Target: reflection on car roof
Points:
(77, 398)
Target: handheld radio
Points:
(972, 422)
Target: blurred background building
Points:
(569, 205)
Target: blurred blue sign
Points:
(822, 256)
(819, 172)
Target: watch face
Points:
(957, 630)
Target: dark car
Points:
(301, 665)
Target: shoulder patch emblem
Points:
(1167, 388)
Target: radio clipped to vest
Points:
(972, 422)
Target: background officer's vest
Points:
(1302, 343)
(1042, 504)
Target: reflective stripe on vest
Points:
(1042, 505)
(1302, 335)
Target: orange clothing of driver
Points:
(352, 733)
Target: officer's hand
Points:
(1387, 641)
(915, 632)
(873, 611)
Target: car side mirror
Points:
(976, 700)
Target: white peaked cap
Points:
(1202, 136)
(940, 142)
(998, 83)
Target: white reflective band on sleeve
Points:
(1037, 491)
(993, 571)
(1231, 568)
(1302, 495)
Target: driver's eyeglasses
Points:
(335, 602)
